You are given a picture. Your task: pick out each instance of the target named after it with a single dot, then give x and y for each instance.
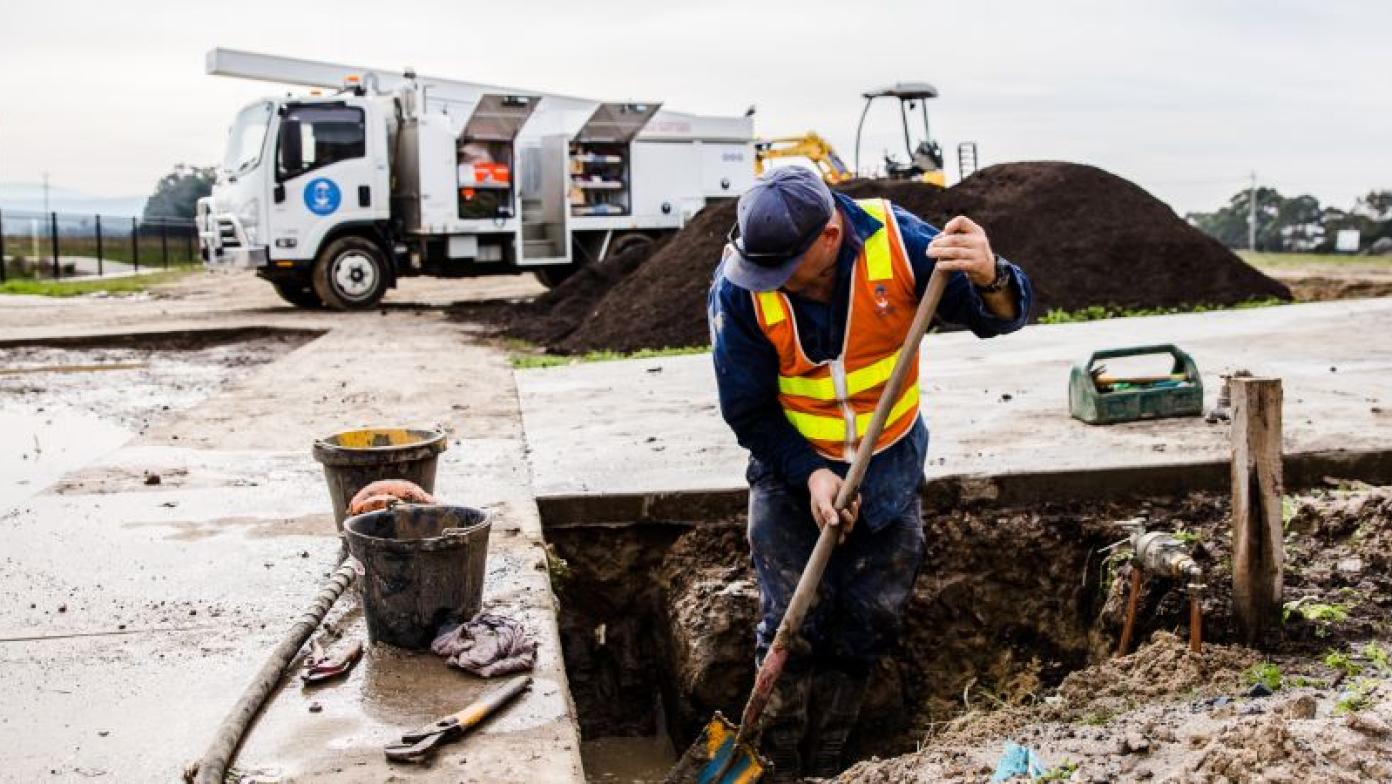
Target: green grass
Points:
(1265, 673)
(47, 287)
(1356, 698)
(1100, 312)
(527, 361)
(1278, 260)
(1343, 663)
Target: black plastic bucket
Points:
(355, 459)
(421, 566)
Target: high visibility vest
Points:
(831, 402)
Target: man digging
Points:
(808, 310)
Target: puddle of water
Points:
(641, 760)
(37, 446)
(255, 527)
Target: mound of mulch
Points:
(1086, 237)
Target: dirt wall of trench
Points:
(1004, 605)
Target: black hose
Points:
(212, 766)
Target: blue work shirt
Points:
(746, 365)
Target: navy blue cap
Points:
(779, 219)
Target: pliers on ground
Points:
(418, 745)
(319, 666)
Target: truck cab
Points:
(300, 177)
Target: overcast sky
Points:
(1184, 97)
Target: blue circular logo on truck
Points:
(322, 196)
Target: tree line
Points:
(1297, 223)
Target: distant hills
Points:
(29, 197)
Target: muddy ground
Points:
(1009, 635)
(130, 380)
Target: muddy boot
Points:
(836, 698)
(783, 726)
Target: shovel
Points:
(726, 751)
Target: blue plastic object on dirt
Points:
(1017, 760)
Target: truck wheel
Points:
(351, 274)
(628, 242)
(554, 275)
(299, 295)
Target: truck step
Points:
(540, 249)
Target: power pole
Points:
(45, 192)
(1252, 214)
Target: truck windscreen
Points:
(246, 138)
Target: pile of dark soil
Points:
(550, 318)
(1086, 237)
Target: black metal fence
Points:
(60, 245)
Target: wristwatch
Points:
(1001, 280)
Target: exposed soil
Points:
(1009, 637)
(550, 319)
(1086, 237)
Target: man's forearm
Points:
(1003, 304)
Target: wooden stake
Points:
(1258, 553)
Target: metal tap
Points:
(1158, 552)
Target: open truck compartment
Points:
(601, 159)
(485, 155)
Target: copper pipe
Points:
(1131, 603)
(1195, 623)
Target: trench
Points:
(657, 623)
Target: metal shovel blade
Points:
(726, 762)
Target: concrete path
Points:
(994, 407)
(208, 569)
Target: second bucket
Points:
(355, 459)
(422, 566)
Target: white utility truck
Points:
(334, 195)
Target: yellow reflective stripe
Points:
(878, 262)
(906, 401)
(871, 375)
(772, 305)
(816, 388)
(857, 381)
(823, 428)
(817, 428)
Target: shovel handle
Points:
(773, 662)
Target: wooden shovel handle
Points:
(772, 666)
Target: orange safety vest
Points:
(831, 402)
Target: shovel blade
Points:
(728, 762)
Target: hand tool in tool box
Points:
(1101, 398)
(418, 745)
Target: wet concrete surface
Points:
(133, 615)
(994, 407)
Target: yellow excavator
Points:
(925, 159)
(810, 146)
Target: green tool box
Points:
(1098, 399)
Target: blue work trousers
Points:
(857, 614)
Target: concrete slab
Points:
(132, 616)
(994, 407)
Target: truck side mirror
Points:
(279, 193)
(291, 153)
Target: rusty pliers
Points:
(418, 745)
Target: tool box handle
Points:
(1182, 361)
